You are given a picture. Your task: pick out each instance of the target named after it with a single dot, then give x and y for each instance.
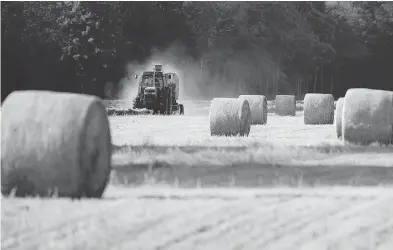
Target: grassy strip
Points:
(255, 166)
(261, 153)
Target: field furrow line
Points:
(190, 224)
(129, 224)
(316, 233)
(367, 228)
(241, 233)
(238, 231)
(217, 233)
(340, 226)
(71, 233)
(50, 234)
(385, 234)
(276, 231)
(132, 239)
(182, 226)
(281, 237)
(262, 223)
(43, 224)
(388, 244)
(363, 234)
(206, 226)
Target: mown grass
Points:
(255, 152)
(266, 165)
(283, 152)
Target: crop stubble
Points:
(267, 220)
(181, 147)
(270, 220)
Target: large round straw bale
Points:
(338, 116)
(229, 117)
(258, 107)
(54, 144)
(318, 109)
(367, 116)
(285, 105)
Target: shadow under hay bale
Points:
(338, 117)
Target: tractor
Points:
(158, 91)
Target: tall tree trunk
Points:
(331, 85)
(315, 80)
(260, 83)
(278, 78)
(322, 90)
(306, 83)
(302, 85)
(267, 85)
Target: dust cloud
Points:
(195, 84)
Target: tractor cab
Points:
(153, 78)
(149, 79)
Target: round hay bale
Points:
(54, 144)
(285, 105)
(367, 116)
(230, 117)
(318, 109)
(258, 107)
(338, 117)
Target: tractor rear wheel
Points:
(162, 108)
(164, 102)
(169, 103)
(181, 109)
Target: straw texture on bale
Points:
(54, 144)
(258, 107)
(318, 109)
(285, 105)
(338, 117)
(230, 117)
(367, 116)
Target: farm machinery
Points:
(158, 91)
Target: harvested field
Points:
(180, 149)
(286, 184)
(208, 218)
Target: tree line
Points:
(248, 47)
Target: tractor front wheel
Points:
(137, 104)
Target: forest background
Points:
(219, 48)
